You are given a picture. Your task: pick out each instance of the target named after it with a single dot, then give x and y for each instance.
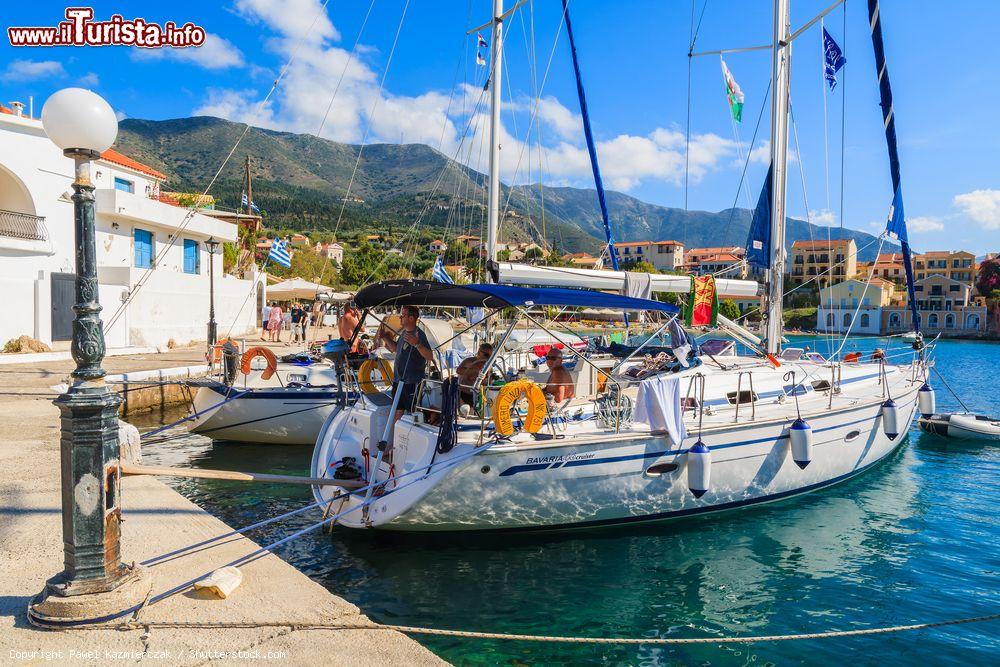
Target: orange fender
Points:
(852, 358)
(258, 351)
(217, 348)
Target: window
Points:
(949, 321)
(829, 320)
(847, 320)
(192, 259)
(124, 186)
(918, 288)
(895, 320)
(932, 320)
(972, 321)
(864, 320)
(143, 248)
(954, 288)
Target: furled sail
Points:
(759, 239)
(896, 226)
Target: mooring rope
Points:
(135, 623)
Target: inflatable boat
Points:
(962, 425)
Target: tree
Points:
(988, 279)
(728, 308)
(361, 265)
(307, 265)
(637, 266)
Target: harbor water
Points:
(916, 539)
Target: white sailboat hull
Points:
(606, 479)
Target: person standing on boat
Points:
(560, 383)
(469, 370)
(347, 323)
(412, 351)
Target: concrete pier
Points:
(156, 520)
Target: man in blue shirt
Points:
(412, 351)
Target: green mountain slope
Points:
(300, 182)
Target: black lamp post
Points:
(84, 125)
(212, 328)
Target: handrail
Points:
(23, 225)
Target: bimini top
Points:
(430, 293)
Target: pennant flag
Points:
(733, 93)
(279, 253)
(480, 60)
(243, 201)
(703, 303)
(482, 40)
(833, 59)
(439, 274)
(759, 239)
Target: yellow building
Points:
(664, 255)
(955, 264)
(823, 262)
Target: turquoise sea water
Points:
(916, 539)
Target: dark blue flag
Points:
(833, 59)
(759, 240)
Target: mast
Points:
(495, 83)
(781, 55)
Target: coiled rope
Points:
(136, 624)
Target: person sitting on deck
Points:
(560, 383)
(469, 370)
(412, 351)
(347, 323)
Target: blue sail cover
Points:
(759, 239)
(591, 148)
(896, 226)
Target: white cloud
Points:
(120, 115)
(215, 53)
(823, 217)
(558, 118)
(982, 206)
(31, 70)
(925, 223)
(89, 79)
(294, 19)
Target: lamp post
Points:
(212, 328)
(83, 125)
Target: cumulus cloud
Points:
(32, 70)
(89, 79)
(824, 217)
(925, 223)
(215, 53)
(982, 206)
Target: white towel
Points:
(659, 405)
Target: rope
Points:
(134, 623)
(948, 386)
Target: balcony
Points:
(23, 226)
(135, 209)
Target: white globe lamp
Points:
(80, 122)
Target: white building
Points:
(139, 238)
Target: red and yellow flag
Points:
(703, 303)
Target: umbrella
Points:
(295, 288)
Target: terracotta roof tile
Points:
(113, 156)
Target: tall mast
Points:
(496, 62)
(781, 55)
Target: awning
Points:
(431, 293)
(295, 288)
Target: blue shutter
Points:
(143, 248)
(191, 263)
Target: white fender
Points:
(925, 400)
(800, 435)
(890, 417)
(699, 469)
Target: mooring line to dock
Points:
(195, 415)
(137, 624)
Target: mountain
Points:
(300, 182)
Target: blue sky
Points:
(633, 53)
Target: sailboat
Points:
(637, 442)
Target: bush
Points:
(23, 344)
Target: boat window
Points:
(745, 396)
(795, 389)
(853, 435)
(792, 353)
(820, 385)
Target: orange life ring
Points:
(259, 351)
(852, 358)
(511, 393)
(217, 348)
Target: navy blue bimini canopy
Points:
(430, 293)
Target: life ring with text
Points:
(368, 369)
(258, 351)
(509, 394)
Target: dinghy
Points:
(962, 425)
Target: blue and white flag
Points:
(253, 207)
(279, 254)
(833, 59)
(439, 274)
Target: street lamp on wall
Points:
(213, 245)
(83, 125)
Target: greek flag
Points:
(253, 207)
(833, 59)
(439, 274)
(279, 254)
